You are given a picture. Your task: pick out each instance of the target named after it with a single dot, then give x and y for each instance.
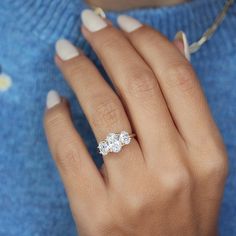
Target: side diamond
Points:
(124, 138)
(103, 148)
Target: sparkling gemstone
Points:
(114, 142)
(124, 138)
(103, 148)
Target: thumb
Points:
(181, 43)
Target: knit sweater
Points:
(32, 197)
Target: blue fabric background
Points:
(32, 198)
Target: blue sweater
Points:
(32, 198)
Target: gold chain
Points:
(194, 47)
(99, 11)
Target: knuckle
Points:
(109, 42)
(54, 118)
(181, 76)
(140, 201)
(137, 204)
(64, 145)
(103, 224)
(73, 69)
(67, 154)
(141, 83)
(107, 112)
(153, 39)
(216, 167)
(217, 170)
(177, 182)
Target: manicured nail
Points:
(183, 38)
(92, 21)
(53, 98)
(66, 50)
(128, 24)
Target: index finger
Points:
(177, 80)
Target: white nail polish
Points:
(92, 21)
(66, 50)
(128, 23)
(182, 36)
(53, 98)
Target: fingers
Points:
(100, 104)
(176, 77)
(134, 80)
(79, 174)
(186, 103)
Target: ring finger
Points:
(102, 107)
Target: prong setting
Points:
(114, 142)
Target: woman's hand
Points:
(169, 180)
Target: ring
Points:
(114, 142)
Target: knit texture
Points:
(32, 198)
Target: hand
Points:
(169, 180)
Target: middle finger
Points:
(134, 80)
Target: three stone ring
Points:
(114, 142)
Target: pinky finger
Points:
(81, 178)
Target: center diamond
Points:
(114, 142)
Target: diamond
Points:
(104, 148)
(124, 138)
(114, 142)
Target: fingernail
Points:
(92, 21)
(53, 98)
(183, 38)
(128, 24)
(66, 50)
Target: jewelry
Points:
(114, 142)
(194, 47)
(99, 11)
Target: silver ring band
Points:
(114, 142)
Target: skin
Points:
(170, 179)
(127, 4)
